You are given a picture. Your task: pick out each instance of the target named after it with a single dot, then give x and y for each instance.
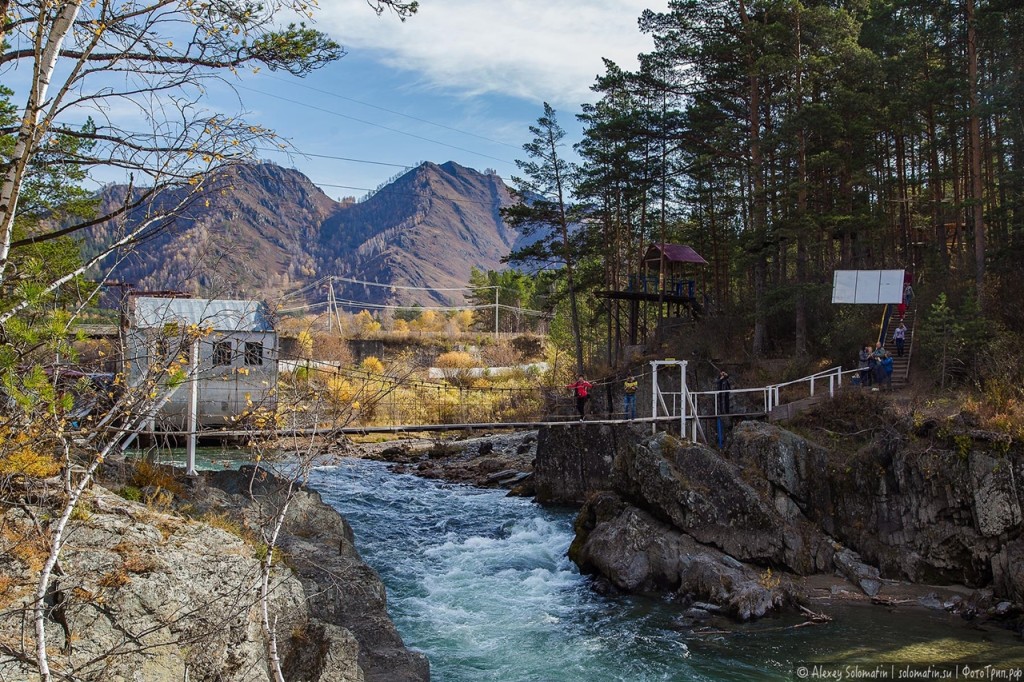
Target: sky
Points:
(462, 80)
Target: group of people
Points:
(581, 390)
(875, 366)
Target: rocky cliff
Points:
(146, 593)
(730, 527)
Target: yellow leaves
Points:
(19, 455)
(340, 391)
(372, 365)
(170, 43)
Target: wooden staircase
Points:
(900, 365)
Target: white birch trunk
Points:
(48, 48)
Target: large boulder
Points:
(636, 552)
(719, 504)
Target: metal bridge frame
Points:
(667, 406)
(681, 404)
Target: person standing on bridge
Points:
(581, 389)
(629, 397)
(724, 386)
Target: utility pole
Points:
(193, 409)
(330, 304)
(495, 313)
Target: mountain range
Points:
(262, 230)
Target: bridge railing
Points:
(741, 402)
(830, 380)
(756, 402)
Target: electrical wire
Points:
(392, 111)
(371, 123)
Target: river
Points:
(481, 584)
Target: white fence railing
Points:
(690, 407)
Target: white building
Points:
(237, 350)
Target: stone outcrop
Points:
(144, 593)
(719, 504)
(665, 515)
(344, 592)
(635, 552)
(930, 515)
(573, 461)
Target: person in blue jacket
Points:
(887, 363)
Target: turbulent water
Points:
(481, 584)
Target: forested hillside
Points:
(428, 228)
(784, 140)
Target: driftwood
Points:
(890, 601)
(813, 617)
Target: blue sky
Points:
(462, 80)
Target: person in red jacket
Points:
(582, 391)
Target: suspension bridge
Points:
(666, 390)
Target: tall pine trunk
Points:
(974, 124)
(758, 214)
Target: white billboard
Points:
(867, 286)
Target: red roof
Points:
(675, 253)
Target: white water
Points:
(481, 584)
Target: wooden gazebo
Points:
(667, 278)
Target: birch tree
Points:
(120, 86)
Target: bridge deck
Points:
(412, 428)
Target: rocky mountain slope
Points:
(262, 230)
(426, 229)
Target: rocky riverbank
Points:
(168, 588)
(495, 461)
(746, 529)
(775, 521)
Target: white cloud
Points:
(534, 49)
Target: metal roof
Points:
(218, 314)
(675, 253)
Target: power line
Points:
(371, 123)
(396, 113)
(399, 286)
(336, 158)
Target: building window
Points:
(221, 353)
(253, 353)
